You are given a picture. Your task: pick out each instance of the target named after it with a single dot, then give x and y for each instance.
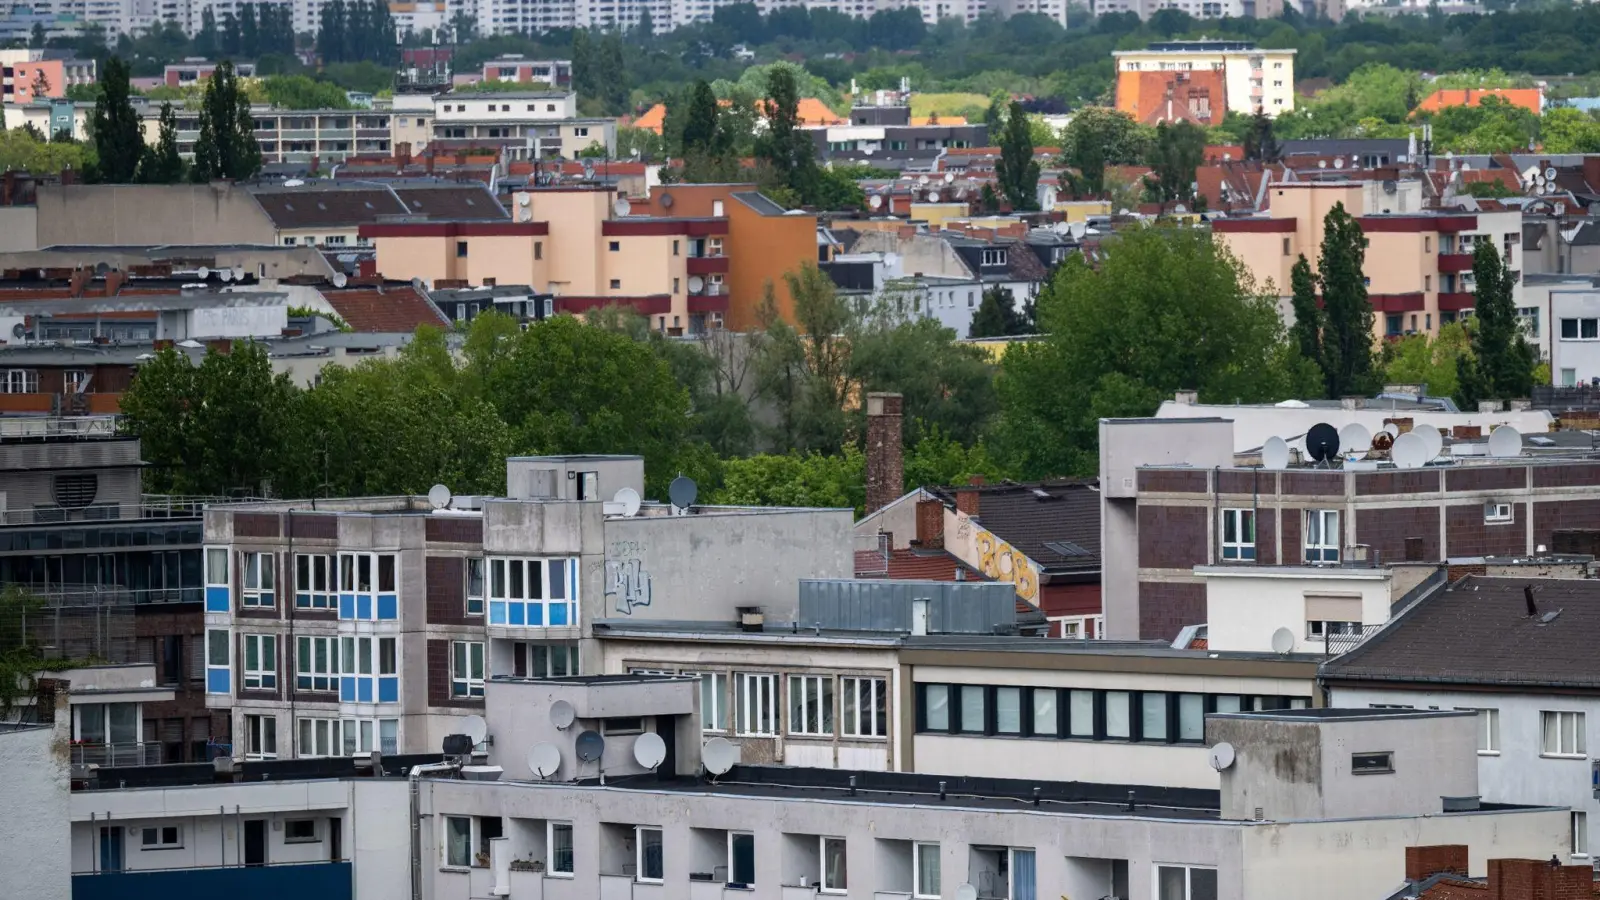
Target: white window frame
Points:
(475, 599)
(1580, 835)
(1188, 877)
(445, 844)
(216, 556)
(1496, 512)
(326, 597)
(1577, 748)
(754, 861)
(324, 737)
(325, 679)
(1488, 729)
(260, 730)
(160, 834)
(257, 579)
(264, 675)
(814, 694)
(463, 683)
(862, 688)
(1320, 545)
(1237, 550)
(751, 709)
(638, 858)
(825, 884)
(713, 688)
(919, 891)
(550, 850)
(19, 381)
(316, 831)
(994, 257)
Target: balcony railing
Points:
(1455, 262)
(150, 507)
(132, 753)
(58, 426)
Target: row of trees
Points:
(256, 30)
(356, 31)
(225, 148)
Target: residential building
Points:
(1512, 651)
(885, 136)
(28, 75)
(195, 70)
(552, 73)
(529, 125)
(1203, 80)
(307, 135)
(1570, 339)
(1530, 99)
(31, 849)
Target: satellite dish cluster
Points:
(1356, 447)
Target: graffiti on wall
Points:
(627, 579)
(1002, 562)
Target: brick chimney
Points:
(1422, 862)
(1591, 171)
(1532, 879)
(930, 524)
(967, 497)
(402, 154)
(885, 456)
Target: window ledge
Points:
(1577, 756)
(1488, 752)
(559, 875)
(461, 870)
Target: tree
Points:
(1502, 361)
(1259, 143)
(1347, 313)
(1417, 359)
(1097, 137)
(1016, 171)
(40, 86)
(1306, 332)
(701, 132)
(36, 38)
(226, 147)
(795, 479)
(997, 316)
(804, 369)
(1187, 316)
(162, 164)
(118, 139)
(205, 40)
(1176, 154)
(785, 146)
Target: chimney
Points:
(1591, 171)
(967, 497)
(1186, 398)
(1514, 879)
(1520, 405)
(1489, 406)
(930, 524)
(885, 456)
(1423, 862)
(1466, 432)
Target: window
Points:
(649, 864)
(217, 568)
(1319, 629)
(300, 831)
(466, 669)
(560, 861)
(387, 664)
(580, 132)
(935, 707)
(1529, 316)
(863, 706)
(161, 837)
(458, 841)
(1008, 710)
(926, 870)
(532, 592)
(1046, 718)
(1153, 725)
(1580, 329)
(755, 701)
(1562, 734)
(258, 579)
(675, 248)
(616, 284)
(1580, 834)
(261, 662)
(319, 737)
(1239, 534)
(316, 663)
(1376, 763)
(335, 240)
(1488, 730)
(261, 737)
(1185, 883)
(1119, 723)
(461, 249)
(313, 582)
(811, 704)
(1427, 244)
(741, 858)
(994, 257)
(974, 708)
(1322, 535)
(1192, 718)
(288, 242)
(1287, 247)
(474, 586)
(835, 872)
(1494, 511)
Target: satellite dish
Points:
(1550, 174)
(622, 207)
(933, 196)
(1391, 429)
(1410, 451)
(1282, 641)
(101, 269)
(628, 499)
(225, 274)
(1355, 439)
(718, 756)
(439, 497)
(590, 745)
(649, 750)
(476, 728)
(544, 759)
(966, 892)
(696, 284)
(524, 200)
(340, 279)
(1505, 441)
(1322, 442)
(1338, 163)
(1275, 454)
(875, 201)
(203, 272)
(562, 714)
(922, 179)
(682, 492)
(1222, 756)
(1431, 437)
(666, 200)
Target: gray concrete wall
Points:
(518, 713)
(19, 228)
(145, 214)
(34, 852)
(535, 477)
(701, 567)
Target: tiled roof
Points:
(914, 565)
(454, 202)
(1478, 631)
(1528, 98)
(321, 208)
(1054, 523)
(391, 308)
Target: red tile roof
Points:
(914, 565)
(389, 308)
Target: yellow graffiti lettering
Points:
(998, 560)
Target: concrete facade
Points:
(32, 852)
(142, 215)
(1246, 607)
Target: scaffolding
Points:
(92, 623)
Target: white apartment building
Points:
(1253, 77)
(532, 124)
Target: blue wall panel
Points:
(321, 881)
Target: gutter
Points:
(416, 822)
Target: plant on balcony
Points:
(481, 859)
(527, 865)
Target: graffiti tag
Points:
(1000, 561)
(628, 583)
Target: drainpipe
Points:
(416, 821)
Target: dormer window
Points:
(994, 257)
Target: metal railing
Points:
(57, 426)
(80, 595)
(150, 506)
(129, 753)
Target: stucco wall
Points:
(19, 228)
(33, 852)
(146, 215)
(1245, 607)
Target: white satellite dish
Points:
(203, 272)
(718, 756)
(562, 714)
(966, 892)
(1410, 451)
(439, 497)
(1275, 454)
(875, 201)
(225, 274)
(1338, 163)
(1355, 439)
(544, 759)
(949, 177)
(1430, 436)
(1504, 442)
(622, 207)
(1392, 429)
(628, 499)
(649, 750)
(933, 196)
(1222, 756)
(476, 728)
(1550, 174)
(1282, 641)
(524, 200)
(696, 284)
(340, 279)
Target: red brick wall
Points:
(1172, 537)
(1070, 599)
(1484, 478)
(1574, 475)
(1165, 607)
(1368, 483)
(1172, 481)
(439, 679)
(1386, 530)
(255, 525)
(451, 530)
(1239, 482)
(447, 591)
(188, 703)
(1550, 516)
(1294, 522)
(1466, 534)
(1316, 484)
(1533, 879)
(1267, 537)
(324, 527)
(1435, 860)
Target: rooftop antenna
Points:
(628, 499)
(1410, 451)
(1355, 439)
(1322, 443)
(1504, 442)
(1431, 437)
(718, 756)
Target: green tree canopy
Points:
(118, 136)
(226, 147)
(1016, 171)
(162, 163)
(1502, 361)
(1347, 334)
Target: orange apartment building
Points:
(691, 258)
(1418, 265)
(27, 75)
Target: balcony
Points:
(708, 265)
(713, 300)
(1455, 262)
(130, 753)
(1456, 301)
(323, 880)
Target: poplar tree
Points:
(1501, 364)
(118, 138)
(1016, 170)
(1347, 313)
(227, 145)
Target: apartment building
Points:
(1419, 274)
(552, 73)
(28, 75)
(195, 70)
(1237, 77)
(886, 136)
(323, 136)
(528, 125)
